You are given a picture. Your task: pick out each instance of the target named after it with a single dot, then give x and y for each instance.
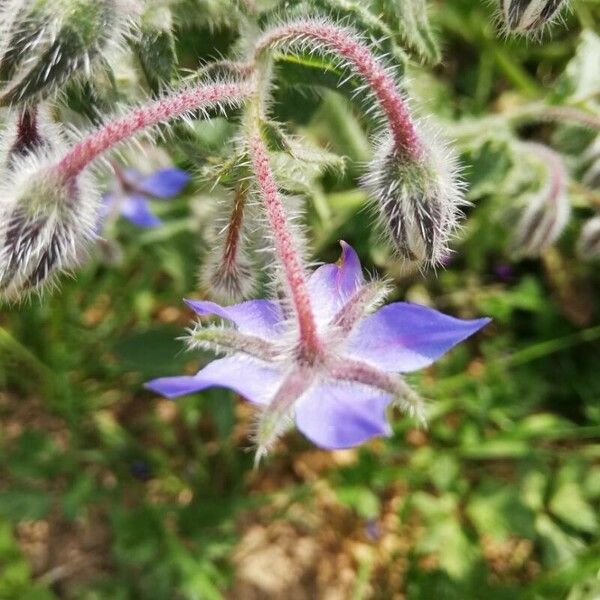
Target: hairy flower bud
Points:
(548, 210)
(525, 16)
(45, 221)
(417, 200)
(228, 271)
(47, 41)
(588, 245)
(22, 136)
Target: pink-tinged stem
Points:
(174, 105)
(342, 42)
(285, 247)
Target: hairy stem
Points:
(285, 247)
(343, 42)
(201, 97)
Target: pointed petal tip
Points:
(480, 323)
(171, 387)
(349, 257)
(403, 337)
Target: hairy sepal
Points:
(588, 245)
(528, 16)
(50, 41)
(229, 271)
(45, 223)
(225, 340)
(548, 210)
(417, 201)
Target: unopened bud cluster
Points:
(43, 43)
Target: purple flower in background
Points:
(134, 189)
(504, 272)
(339, 398)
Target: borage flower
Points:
(134, 190)
(339, 398)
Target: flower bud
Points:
(525, 16)
(45, 222)
(46, 42)
(548, 210)
(228, 272)
(417, 200)
(588, 245)
(26, 131)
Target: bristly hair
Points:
(548, 210)
(45, 223)
(293, 36)
(418, 204)
(414, 178)
(588, 245)
(531, 18)
(47, 42)
(228, 271)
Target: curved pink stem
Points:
(177, 104)
(285, 247)
(344, 43)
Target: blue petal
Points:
(331, 285)
(136, 210)
(404, 337)
(107, 204)
(253, 380)
(165, 183)
(334, 415)
(255, 317)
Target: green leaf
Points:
(498, 511)
(19, 503)
(409, 17)
(581, 79)
(569, 504)
(558, 546)
(361, 499)
(444, 535)
(155, 47)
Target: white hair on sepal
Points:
(267, 428)
(531, 18)
(25, 130)
(49, 42)
(46, 224)
(548, 209)
(418, 202)
(229, 271)
(588, 245)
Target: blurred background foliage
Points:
(107, 492)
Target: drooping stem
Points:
(544, 112)
(285, 247)
(343, 42)
(202, 97)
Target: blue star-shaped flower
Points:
(340, 398)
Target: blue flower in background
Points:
(340, 398)
(135, 189)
